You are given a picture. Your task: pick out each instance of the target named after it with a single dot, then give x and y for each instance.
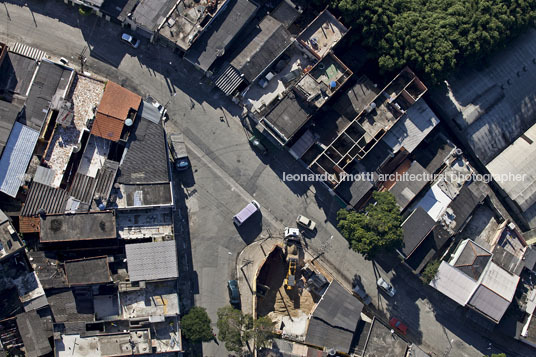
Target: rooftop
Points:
(188, 20)
(357, 139)
(288, 116)
(8, 115)
(382, 342)
(490, 107)
(215, 39)
(323, 80)
(353, 101)
(43, 197)
(471, 259)
(150, 14)
(117, 344)
(16, 157)
(9, 239)
(48, 270)
(495, 292)
(33, 334)
(286, 13)
(94, 156)
(117, 104)
(434, 152)
(260, 99)
(416, 228)
(86, 95)
(406, 190)
(509, 249)
(146, 157)
(16, 74)
(51, 83)
(143, 223)
(412, 128)
(70, 305)
(335, 319)
(515, 159)
(87, 271)
(80, 226)
(152, 261)
(156, 299)
(322, 34)
(142, 196)
(264, 45)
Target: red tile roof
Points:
(113, 110)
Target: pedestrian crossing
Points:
(27, 51)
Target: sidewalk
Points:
(248, 263)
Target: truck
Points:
(178, 151)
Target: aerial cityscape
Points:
(268, 178)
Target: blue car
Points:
(234, 294)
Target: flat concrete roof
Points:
(77, 227)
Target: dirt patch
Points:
(279, 301)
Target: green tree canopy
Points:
(434, 36)
(430, 271)
(236, 328)
(195, 325)
(374, 230)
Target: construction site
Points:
(289, 286)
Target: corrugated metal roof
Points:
(489, 303)
(105, 179)
(453, 283)
(44, 175)
(50, 199)
(518, 158)
(412, 128)
(500, 281)
(152, 261)
(146, 159)
(212, 43)
(335, 319)
(272, 39)
(16, 157)
(228, 80)
(495, 104)
(149, 112)
(8, 115)
(33, 334)
(82, 187)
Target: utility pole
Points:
(82, 59)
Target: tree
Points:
(196, 325)
(263, 332)
(236, 328)
(376, 229)
(430, 271)
(433, 37)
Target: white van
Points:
(246, 212)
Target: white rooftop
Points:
(453, 283)
(435, 202)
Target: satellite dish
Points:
(129, 122)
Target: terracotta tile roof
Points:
(117, 101)
(113, 110)
(107, 127)
(29, 224)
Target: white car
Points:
(131, 40)
(306, 222)
(161, 109)
(292, 233)
(385, 286)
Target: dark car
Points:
(179, 154)
(234, 294)
(398, 325)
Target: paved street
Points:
(227, 174)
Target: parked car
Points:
(359, 291)
(306, 222)
(292, 233)
(398, 325)
(234, 293)
(161, 109)
(256, 143)
(131, 40)
(179, 155)
(246, 212)
(385, 286)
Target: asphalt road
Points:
(227, 173)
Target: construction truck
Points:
(293, 253)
